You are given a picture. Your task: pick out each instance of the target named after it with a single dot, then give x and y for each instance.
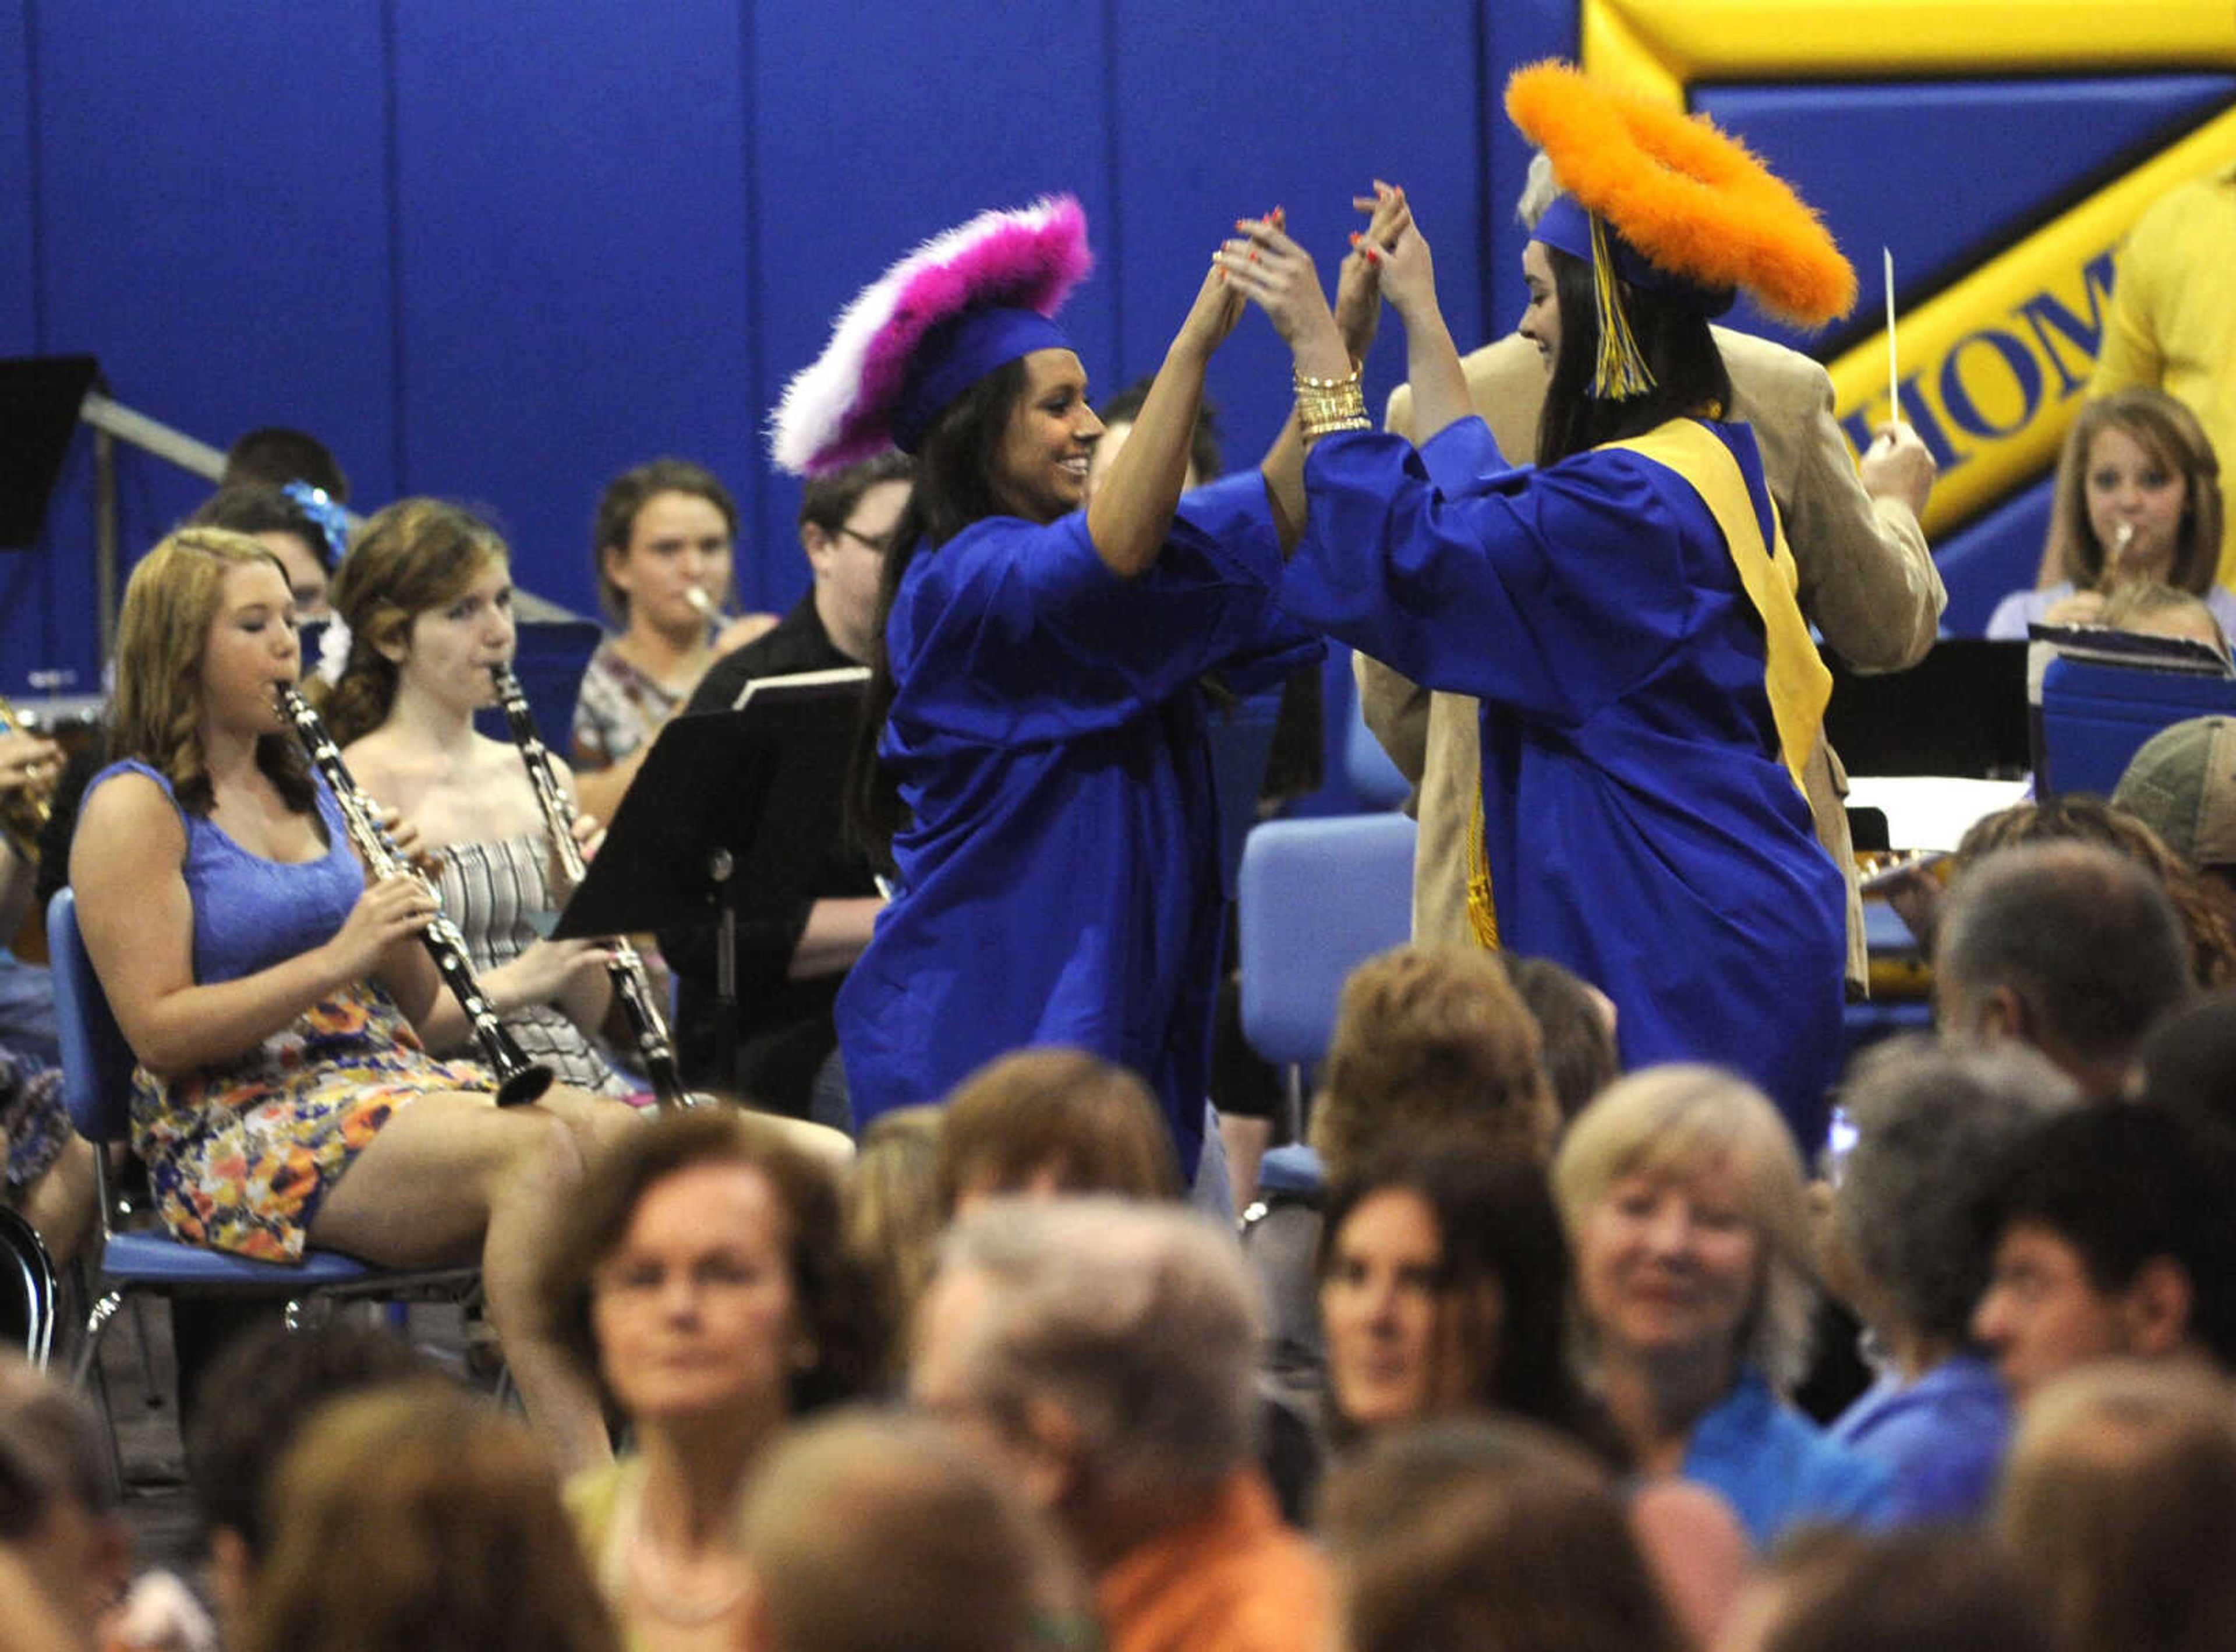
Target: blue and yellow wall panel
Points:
(2000, 149)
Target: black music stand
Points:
(731, 812)
(40, 396)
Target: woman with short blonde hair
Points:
(1688, 1215)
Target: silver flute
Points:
(655, 1049)
(518, 1079)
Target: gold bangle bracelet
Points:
(1311, 431)
(1320, 406)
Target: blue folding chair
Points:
(1315, 899)
(97, 1067)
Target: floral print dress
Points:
(239, 1155)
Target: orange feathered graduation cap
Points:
(1682, 197)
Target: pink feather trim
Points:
(840, 411)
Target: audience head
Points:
(2207, 927)
(846, 521)
(1118, 414)
(1912, 1216)
(1431, 1044)
(57, 1510)
(2136, 456)
(2113, 1237)
(253, 1399)
(1445, 1286)
(2071, 947)
(2120, 1502)
(1688, 1168)
(411, 560)
(1923, 1589)
(1479, 1532)
(893, 1216)
(2188, 1064)
(2154, 608)
(1105, 1348)
(700, 1273)
(416, 1518)
(884, 1534)
(1538, 190)
(662, 530)
(1575, 1025)
(1053, 1122)
(274, 455)
(170, 621)
(2181, 783)
(285, 527)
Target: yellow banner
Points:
(1993, 367)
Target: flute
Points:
(654, 1050)
(518, 1079)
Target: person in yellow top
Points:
(2172, 325)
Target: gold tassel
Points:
(1482, 911)
(1621, 371)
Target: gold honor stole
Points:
(1794, 677)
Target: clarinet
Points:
(518, 1079)
(654, 1050)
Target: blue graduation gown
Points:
(1061, 882)
(1639, 824)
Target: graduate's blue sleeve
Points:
(1548, 591)
(1463, 457)
(1014, 631)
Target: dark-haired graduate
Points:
(1625, 610)
(1035, 757)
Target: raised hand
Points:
(1218, 307)
(1358, 282)
(1409, 275)
(1899, 465)
(1276, 274)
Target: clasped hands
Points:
(1390, 259)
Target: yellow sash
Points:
(1794, 677)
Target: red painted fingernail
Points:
(1355, 238)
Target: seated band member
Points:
(426, 592)
(271, 992)
(790, 966)
(665, 533)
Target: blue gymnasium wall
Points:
(502, 252)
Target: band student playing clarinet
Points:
(426, 595)
(276, 998)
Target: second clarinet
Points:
(518, 1079)
(655, 1052)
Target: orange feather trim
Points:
(1693, 199)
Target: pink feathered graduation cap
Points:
(952, 311)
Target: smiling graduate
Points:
(1035, 761)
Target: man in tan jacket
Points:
(1868, 584)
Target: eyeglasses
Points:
(880, 544)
